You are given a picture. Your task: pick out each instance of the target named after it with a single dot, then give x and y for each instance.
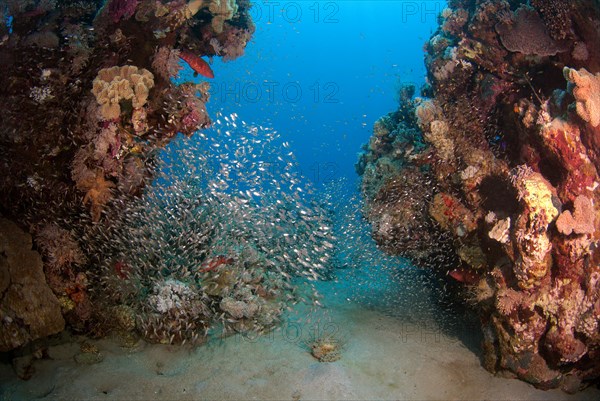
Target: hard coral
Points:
(438, 136)
(326, 349)
(398, 217)
(451, 214)
(527, 34)
(532, 240)
(563, 141)
(501, 231)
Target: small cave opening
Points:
(552, 170)
(499, 195)
(546, 79)
(502, 131)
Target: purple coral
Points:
(526, 33)
(121, 9)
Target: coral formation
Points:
(556, 15)
(114, 84)
(326, 349)
(587, 93)
(395, 185)
(121, 9)
(507, 145)
(221, 10)
(526, 33)
(87, 101)
(166, 62)
(581, 221)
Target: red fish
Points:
(215, 262)
(122, 269)
(197, 64)
(462, 275)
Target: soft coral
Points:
(98, 195)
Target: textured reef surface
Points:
(87, 103)
(491, 176)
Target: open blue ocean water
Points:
(322, 72)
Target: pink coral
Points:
(508, 300)
(106, 143)
(166, 62)
(587, 93)
(197, 117)
(234, 43)
(581, 221)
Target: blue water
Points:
(322, 72)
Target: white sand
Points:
(384, 358)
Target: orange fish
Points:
(197, 64)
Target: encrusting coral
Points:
(532, 241)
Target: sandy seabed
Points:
(383, 357)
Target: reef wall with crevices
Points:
(86, 102)
(491, 176)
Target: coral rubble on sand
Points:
(87, 100)
(499, 163)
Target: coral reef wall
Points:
(86, 102)
(498, 162)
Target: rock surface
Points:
(28, 308)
